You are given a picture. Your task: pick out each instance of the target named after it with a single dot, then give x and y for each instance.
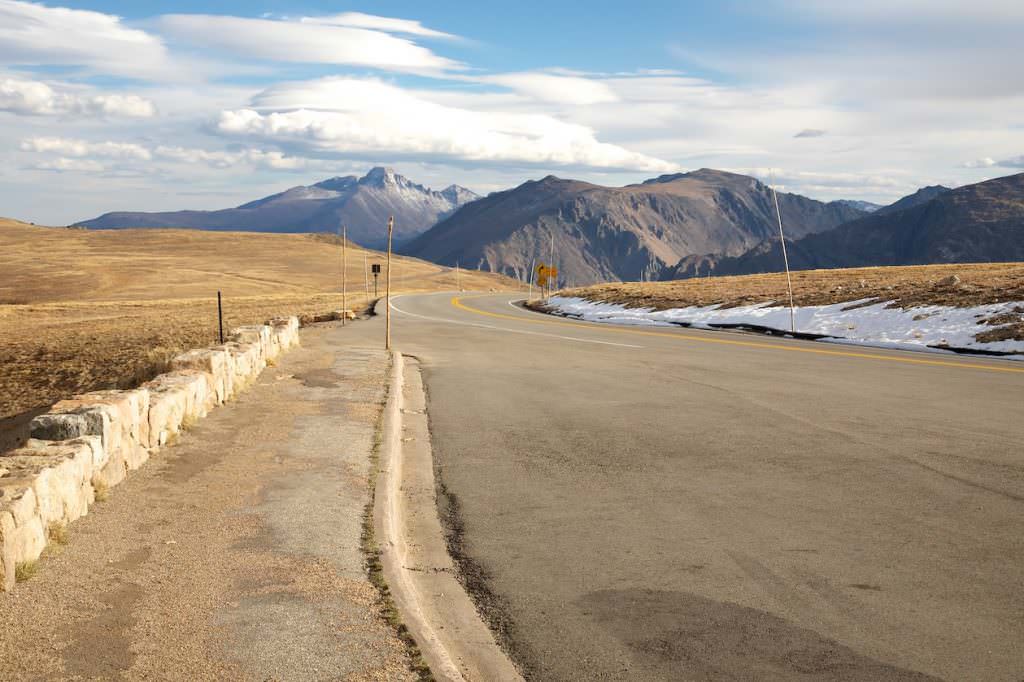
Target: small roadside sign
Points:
(546, 274)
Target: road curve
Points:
(677, 504)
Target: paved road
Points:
(675, 504)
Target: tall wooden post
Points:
(344, 275)
(387, 291)
(366, 280)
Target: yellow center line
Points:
(457, 302)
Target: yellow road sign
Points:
(546, 274)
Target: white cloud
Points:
(918, 12)
(305, 42)
(1013, 162)
(986, 162)
(64, 164)
(35, 98)
(220, 159)
(367, 117)
(71, 151)
(378, 23)
(32, 34)
(81, 148)
(547, 87)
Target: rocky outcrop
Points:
(88, 443)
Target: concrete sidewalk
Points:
(234, 554)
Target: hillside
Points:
(611, 233)
(976, 223)
(83, 310)
(361, 204)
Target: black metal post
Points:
(220, 317)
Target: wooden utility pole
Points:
(344, 275)
(366, 280)
(387, 291)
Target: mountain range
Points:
(606, 233)
(977, 223)
(361, 204)
(670, 227)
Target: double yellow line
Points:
(457, 302)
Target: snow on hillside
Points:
(857, 322)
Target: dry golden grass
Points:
(83, 310)
(979, 283)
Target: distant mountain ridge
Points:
(978, 223)
(361, 204)
(610, 233)
(866, 206)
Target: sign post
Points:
(376, 274)
(387, 307)
(546, 276)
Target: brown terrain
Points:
(86, 310)
(619, 233)
(958, 285)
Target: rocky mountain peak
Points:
(382, 176)
(459, 195)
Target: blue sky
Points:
(161, 105)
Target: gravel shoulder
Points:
(233, 555)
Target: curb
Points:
(455, 642)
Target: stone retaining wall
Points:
(87, 444)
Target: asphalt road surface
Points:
(675, 504)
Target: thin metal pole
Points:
(387, 298)
(344, 275)
(551, 265)
(533, 268)
(220, 317)
(785, 260)
(366, 280)
(458, 280)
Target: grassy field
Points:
(958, 285)
(85, 310)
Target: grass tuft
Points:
(101, 491)
(25, 570)
(57, 533)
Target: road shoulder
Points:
(236, 554)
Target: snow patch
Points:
(856, 322)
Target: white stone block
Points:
(213, 362)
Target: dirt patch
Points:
(111, 655)
(959, 285)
